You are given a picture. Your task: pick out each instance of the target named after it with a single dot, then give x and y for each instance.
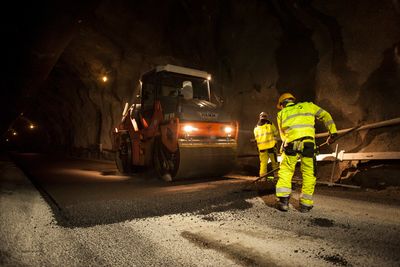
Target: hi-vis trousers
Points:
(305, 151)
(264, 155)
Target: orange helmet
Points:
(263, 115)
(283, 97)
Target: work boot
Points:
(304, 208)
(283, 204)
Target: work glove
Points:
(332, 138)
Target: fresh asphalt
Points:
(72, 212)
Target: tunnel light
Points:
(209, 77)
(116, 129)
(7, 140)
(105, 79)
(189, 128)
(32, 126)
(14, 133)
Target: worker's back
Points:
(297, 120)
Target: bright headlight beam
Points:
(228, 129)
(189, 128)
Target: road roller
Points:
(174, 128)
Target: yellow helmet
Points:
(283, 97)
(263, 115)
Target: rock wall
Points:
(346, 60)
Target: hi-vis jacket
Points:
(297, 120)
(266, 136)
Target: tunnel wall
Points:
(347, 60)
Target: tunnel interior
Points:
(54, 98)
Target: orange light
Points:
(105, 79)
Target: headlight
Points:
(228, 130)
(189, 128)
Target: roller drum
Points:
(207, 161)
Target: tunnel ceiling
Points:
(344, 59)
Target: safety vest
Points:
(297, 120)
(265, 136)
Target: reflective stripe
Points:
(299, 126)
(319, 112)
(306, 204)
(305, 196)
(266, 142)
(283, 190)
(297, 115)
(329, 123)
(264, 134)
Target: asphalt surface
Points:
(70, 212)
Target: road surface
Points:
(71, 212)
